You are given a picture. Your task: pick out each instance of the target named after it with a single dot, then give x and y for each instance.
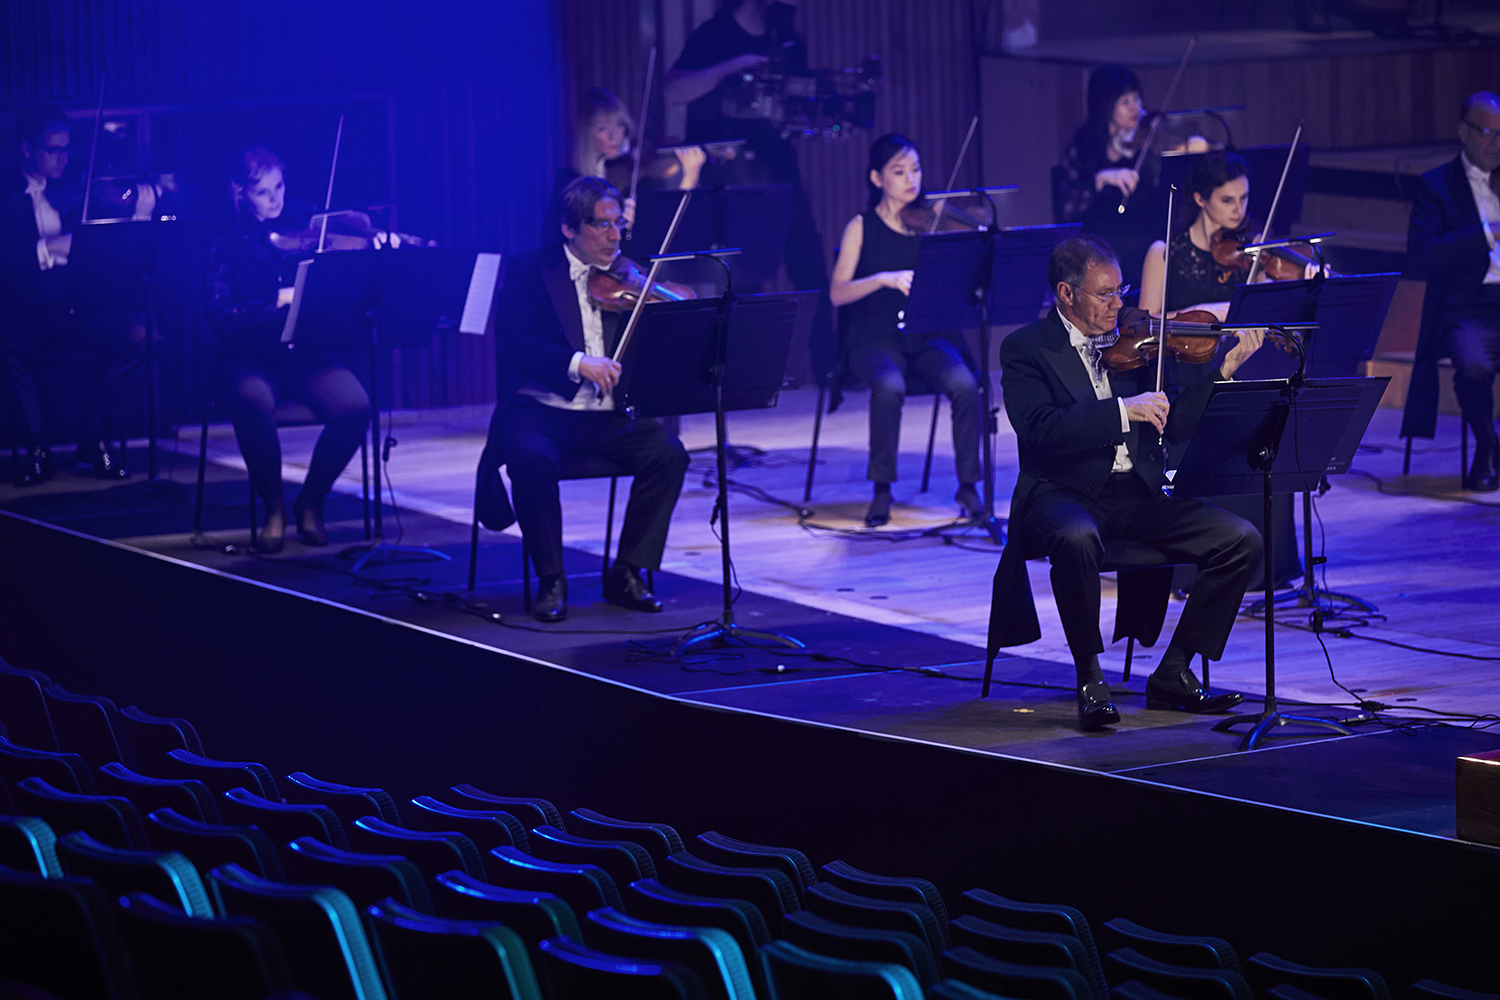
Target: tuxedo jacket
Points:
(1445, 246)
(538, 328)
(1067, 436)
(23, 283)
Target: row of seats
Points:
(194, 876)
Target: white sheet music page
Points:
(481, 298)
(290, 328)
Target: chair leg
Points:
(254, 531)
(202, 469)
(1129, 655)
(812, 455)
(1463, 450)
(937, 404)
(651, 580)
(364, 491)
(1205, 671)
(473, 550)
(609, 526)
(525, 578)
(1406, 459)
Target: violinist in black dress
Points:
(870, 283)
(1092, 470)
(249, 292)
(556, 401)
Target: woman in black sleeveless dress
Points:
(870, 283)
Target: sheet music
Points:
(291, 314)
(481, 298)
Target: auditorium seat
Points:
(188, 796)
(896, 887)
(23, 707)
(648, 899)
(1024, 947)
(768, 888)
(152, 737)
(861, 944)
(59, 935)
(1009, 979)
(839, 905)
(221, 775)
(795, 972)
(108, 818)
(282, 822)
(536, 916)
(624, 860)
(87, 725)
(67, 771)
(1265, 970)
(327, 952)
(578, 972)
(957, 989)
(1174, 949)
(432, 853)
(209, 845)
(1056, 918)
(713, 954)
(1133, 990)
(349, 802)
(167, 875)
(487, 828)
(721, 850)
(1190, 982)
(584, 887)
(658, 839)
(432, 958)
(531, 812)
(178, 957)
(365, 878)
(1431, 989)
(28, 844)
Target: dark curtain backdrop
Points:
(473, 121)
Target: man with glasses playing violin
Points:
(1092, 470)
(1451, 242)
(556, 401)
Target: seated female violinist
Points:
(603, 146)
(250, 288)
(870, 282)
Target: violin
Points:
(621, 287)
(343, 230)
(1277, 264)
(1192, 336)
(921, 217)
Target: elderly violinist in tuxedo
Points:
(556, 401)
(1092, 471)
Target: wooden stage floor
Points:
(1415, 547)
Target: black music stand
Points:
(116, 266)
(1350, 311)
(712, 356)
(1271, 437)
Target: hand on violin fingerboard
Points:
(1121, 177)
(284, 296)
(603, 372)
(1148, 408)
(1249, 342)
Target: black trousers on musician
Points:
(118, 343)
(1073, 528)
(248, 389)
(535, 440)
(1473, 328)
(940, 365)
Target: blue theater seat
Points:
(67, 771)
(221, 775)
(349, 802)
(1174, 949)
(59, 935)
(1024, 947)
(1431, 989)
(366, 878)
(624, 860)
(648, 899)
(178, 957)
(658, 839)
(530, 811)
(711, 953)
(167, 875)
(209, 845)
(432, 853)
(894, 887)
(957, 989)
(432, 958)
(187, 795)
(714, 847)
(578, 972)
(23, 707)
(768, 888)
(152, 737)
(1009, 979)
(822, 936)
(830, 901)
(1197, 982)
(87, 725)
(1265, 970)
(487, 828)
(28, 844)
(283, 822)
(1056, 918)
(794, 972)
(536, 916)
(108, 818)
(584, 887)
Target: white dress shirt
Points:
(48, 223)
(1102, 389)
(588, 398)
(1488, 204)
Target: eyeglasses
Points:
(600, 225)
(1485, 134)
(1104, 297)
(56, 150)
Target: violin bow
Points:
(640, 128)
(1276, 200)
(640, 302)
(88, 184)
(338, 138)
(1166, 102)
(953, 177)
(1161, 336)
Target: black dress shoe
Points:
(879, 512)
(623, 586)
(1184, 694)
(33, 467)
(105, 463)
(310, 527)
(1095, 707)
(551, 600)
(1484, 473)
(272, 536)
(969, 503)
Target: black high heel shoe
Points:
(273, 532)
(310, 527)
(879, 512)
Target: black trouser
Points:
(1073, 529)
(942, 366)
(119, 341)
(248, 388)
(1472, 325)
(533, 442)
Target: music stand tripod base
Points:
(721, 632)
(1266, 721)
